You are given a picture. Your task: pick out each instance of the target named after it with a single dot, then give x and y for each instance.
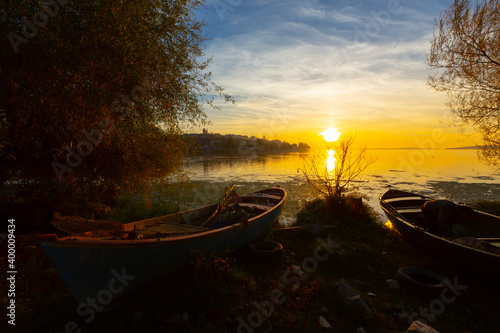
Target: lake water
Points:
(457, 175)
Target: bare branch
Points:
(332, 182)
(465, 54)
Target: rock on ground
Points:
(353, 300)
(419, 327)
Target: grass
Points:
(488, 206)
(237, 292)
(130, 208)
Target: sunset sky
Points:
(298, 67)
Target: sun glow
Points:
(330, 134)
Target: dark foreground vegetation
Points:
(241, 292)
(100, 112)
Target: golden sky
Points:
(296, 68)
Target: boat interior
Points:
(237, 209)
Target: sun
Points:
(330, 134)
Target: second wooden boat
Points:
(404, 211)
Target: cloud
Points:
(316, 61)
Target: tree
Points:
(333, 176)
(465, 54)
(229, 143)
(94, 93)
(303, 147)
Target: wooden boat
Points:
(404, 211)
(107, 270)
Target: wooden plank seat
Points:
(492, 241)
(261, 195)
(258, 206)
(171, 229)
(408, 198)
(403, 210)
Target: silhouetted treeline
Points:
(231, 143)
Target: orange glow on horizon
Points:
(374, 137)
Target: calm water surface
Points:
(454, 174)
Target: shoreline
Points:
(299, 193)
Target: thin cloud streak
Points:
(320, 63)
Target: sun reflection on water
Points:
(330, 160)
(389, 225)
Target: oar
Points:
(221, 204)
(489, 239)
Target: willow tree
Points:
(465, 57)
(94, 94)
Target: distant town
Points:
(231, 143)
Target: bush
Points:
(349, 210)
(132, 208)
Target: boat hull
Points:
(109, 270)
(407, 221)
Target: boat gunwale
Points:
(75, 241)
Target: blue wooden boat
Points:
(107, 270)
(404, 211)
